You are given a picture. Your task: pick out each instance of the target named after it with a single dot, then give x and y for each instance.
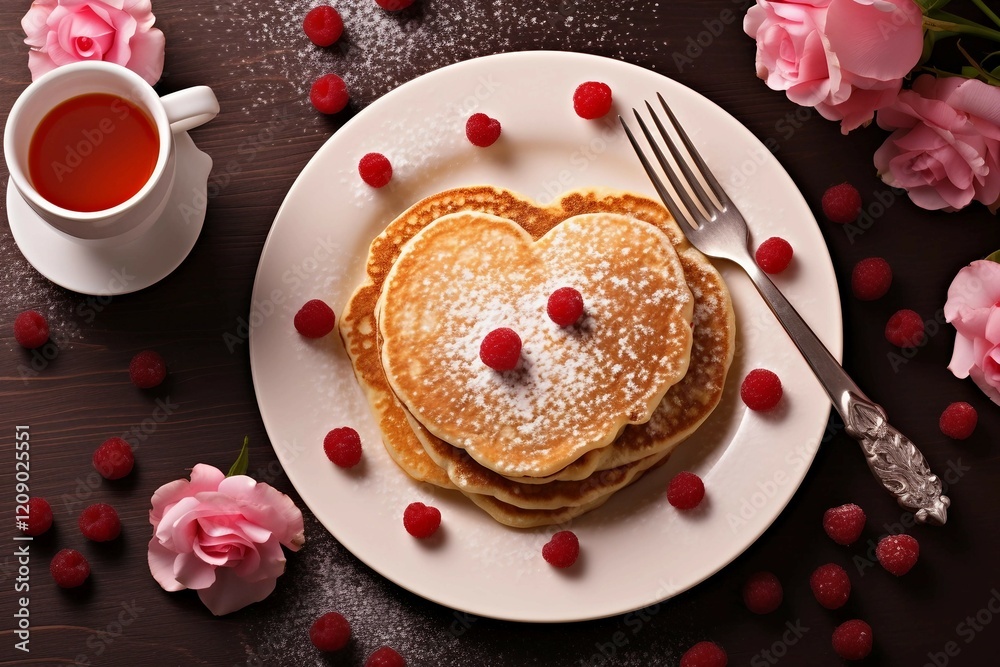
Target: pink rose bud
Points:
(60, 32)
(222, 536)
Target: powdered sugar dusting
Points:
(469, 276)
(381, 50)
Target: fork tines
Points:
(697, 213)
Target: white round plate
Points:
(636, 550)
(105, 268)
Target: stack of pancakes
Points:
(589, 408)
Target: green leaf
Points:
(242, 461)
(995, 257)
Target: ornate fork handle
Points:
(895, 460)
(892, 457)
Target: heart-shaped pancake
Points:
(575, 388)
(683, 409)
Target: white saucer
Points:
(102, 269)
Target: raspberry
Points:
(501, 349)
(385, 656)
(315, 319)
(329, 94)
(762, 593)
(565, 306)
(100, 523)
(562, 549)
(871, 278)
(592, 100)
(685, 491)
(330, 632)
(774, 255)
(421, 520)
(831, 585)
(69, 568)
(343, 447)
(31, 331)
(897, 553)
(147, 369)
(844, 524)
(905, 329)
(375, 170)
(958, 420)
(323, 25)
(761, 389)
(39, 517)
(482, 130)
(842, 203)
(852, 640)
(705, 654)
(393, 5)
(114, 458)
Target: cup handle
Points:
(189, 108)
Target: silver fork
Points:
(719, 230)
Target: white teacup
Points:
(176, 112)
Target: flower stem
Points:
(986, 10)
(958, 25)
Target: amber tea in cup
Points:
(92, 152)
(90, 148)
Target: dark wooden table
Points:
(255, 58)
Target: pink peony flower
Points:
(221, 536)
(846, 58)
(945, 148)
(60, 32)
(973, 307)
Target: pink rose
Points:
(973, 307)
(221, 536)
(60, 32)
(847, 58)
(945, 149)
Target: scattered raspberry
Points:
(501, 349)
(482, 130)
(831, 585)
(685, 490)
(565, 306)
(761, 389)
(375, 170)
(852, 640)
(330, 632)
(385, 656)
(762, 593)
(329, 94)
(871, 278)
(844, 524)
(905, 329)
(897, 553)
(958, 420)
(114, 458)
(394, 5)
(421, 520)
(562, 550)
(31, 331)
(100, 523)
(69, 568)
(705, 654)
(774, 255)
(147, 369)
(842, 203)
(592, 100)
(343, 446)
(315, 319)
(39, 517)
(323, 25)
